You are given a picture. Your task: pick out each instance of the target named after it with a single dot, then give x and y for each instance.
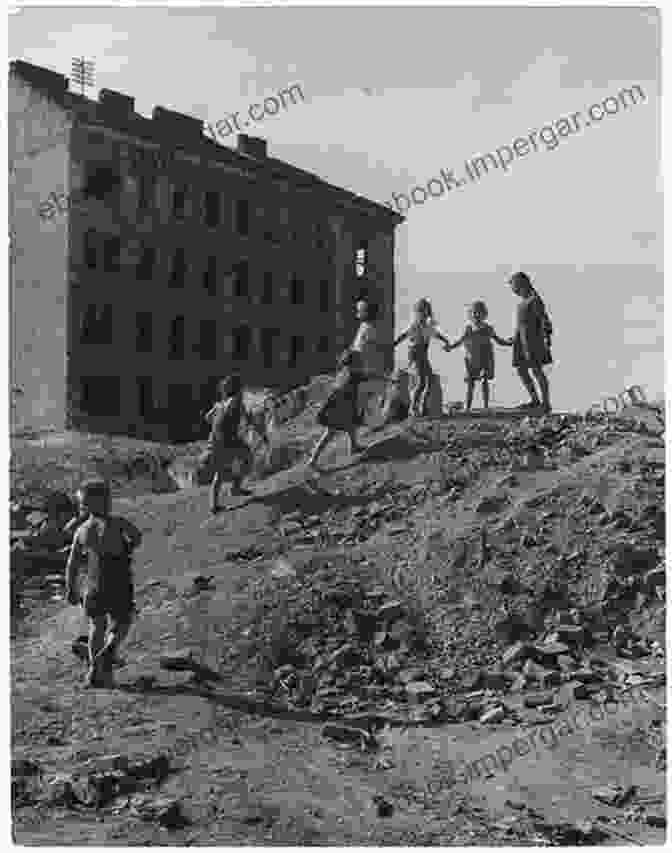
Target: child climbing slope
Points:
(228, 456)
(103, 544)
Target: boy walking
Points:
(104, 544)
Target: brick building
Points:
(147, 261)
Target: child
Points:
(340, 413)
(532, 341)
(420, 333)
(227, 455)
(76, 521)
(104, 543)
(479, 356)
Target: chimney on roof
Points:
(252, 146)
(41, 78)
(182, 128)
(116, 102)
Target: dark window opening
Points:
(91, 249)
(323, 345)
(296, 350)
(143, 330)
(112, 254)
(146, 191)
(320, 235)
(267, 293)
(178, 269)
(100, 395)
(212, 209)
(145, 268)
(242, 217)
(297, 291)
(268, 337)
(208, 343)
(101, 181)
(179, 202)
(361, 260)
(145, 397)
(210, 275)
(241, 343)
(176, 343)
(325, 295)
(241, 275)
(97, 325)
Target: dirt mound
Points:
(330, 636)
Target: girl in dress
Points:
(419, 335)
(340, 411)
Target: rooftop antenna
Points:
(83, 72)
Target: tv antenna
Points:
(83, 72)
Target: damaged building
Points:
(147, 261)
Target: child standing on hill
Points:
(340, 412)
(104, 544)
(479, 359)
(419, 334)
(227, 454)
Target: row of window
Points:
(103, 181)
(97, 328)
(104, 253)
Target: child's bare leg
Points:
(526, 379)
(355, 447)
(542, 381)
(485, 387)
(214, 492)
(97, 627)
(324, 439)
(470, 394)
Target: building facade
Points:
(148, 261)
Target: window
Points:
(112, 254)
(146, 188)
(323, 345)
(268, 337)
(210, 275)
(101, 182)
(296, 350)
(145, 396)
(241, 343)
(87, 332)
(241, 273)
(267, 293)
(176, 343)
(297, 290)
(100, 395)
(361, 257)
(145, 268)
(212, 209)
(320, 235)
(96, 325)
(179, 202)
(325, 295)
(178, 269)
(242, 217)
(91, 249)
(143, 331)
(208, 343)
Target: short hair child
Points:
(104, 544)
(479, 359)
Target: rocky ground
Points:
(305, 668)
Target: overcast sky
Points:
(392, 96)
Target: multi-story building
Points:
(147, 261)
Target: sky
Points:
(392, 95)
